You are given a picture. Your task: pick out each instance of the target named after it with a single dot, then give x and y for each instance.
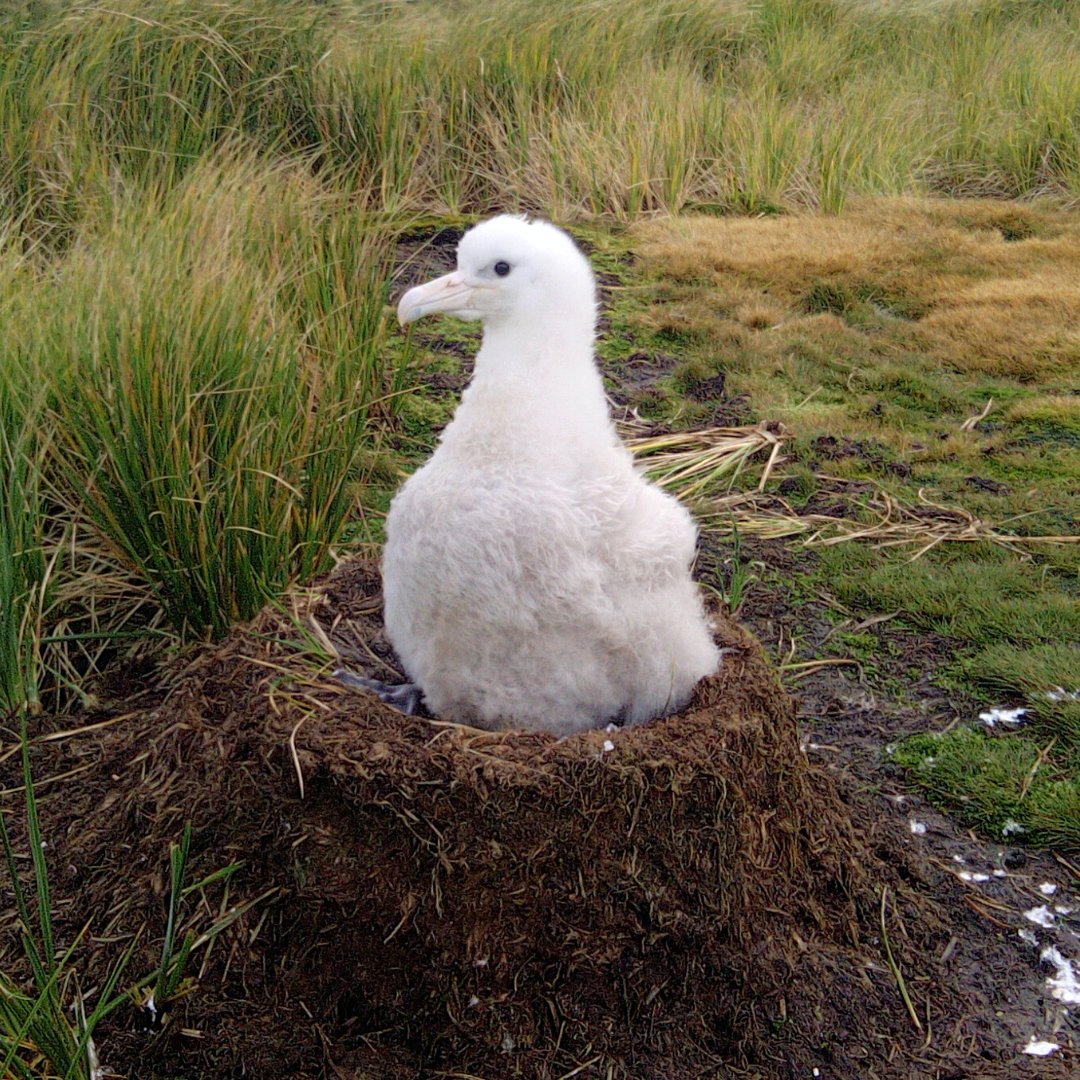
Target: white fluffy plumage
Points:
(532, 577)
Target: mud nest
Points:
(682, 899)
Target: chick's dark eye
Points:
(502, 268)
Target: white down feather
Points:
(532, 577)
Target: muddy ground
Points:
(847, 728)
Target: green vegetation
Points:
(604, 108)
(198, 202)
(23, 566)
(995, 598)
(199, 206)
(924, 356)
(190, 416)
(997, 784)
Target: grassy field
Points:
(925, 357)
(861, 215)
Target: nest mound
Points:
(685, 898)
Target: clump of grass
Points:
(990, 781)
(98, 94)
(212, 359)
(1002, 669)
(24, 568)
(740, 574)
(1045, 677)
(1049, 418)
(157, 993)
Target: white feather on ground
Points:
(532, 577)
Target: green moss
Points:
(990, 781)
(980, 600)
(421, 416)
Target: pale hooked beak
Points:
(448, 295)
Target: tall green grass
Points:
(609, 107)
(24, 570)
(615, 109)
(210, 357)
(25, 577)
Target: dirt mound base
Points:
(682, 899)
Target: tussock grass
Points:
(603, 108)
(95, 97)
(209, 354)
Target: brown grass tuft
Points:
(986, 287)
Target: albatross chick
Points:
(532, 577)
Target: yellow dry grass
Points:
(917, 527)
(696, 464)
(989, 287)
(1064, 408)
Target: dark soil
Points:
(995, 487)
(875, 454)
(702, 899)
(638, 376)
